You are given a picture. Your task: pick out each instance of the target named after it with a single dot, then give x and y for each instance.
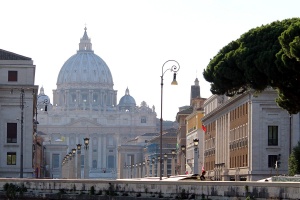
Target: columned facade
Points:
(85, 106)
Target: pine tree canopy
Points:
(266, 56)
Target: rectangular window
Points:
(273, 135)
(94, 164)
(143, 119)
(12, 75)
(82, 161)
(111, 162)
(55, 161)
(11, 158)
(272, 160)
(11, 133)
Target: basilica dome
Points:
(42, 99)
(85, 69)
(127, 101)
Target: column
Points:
(165, 165)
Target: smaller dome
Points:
(127, 100)
(42, 99)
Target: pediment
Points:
(83, 122)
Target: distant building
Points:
(152, 152)
(131, 154)
(190, 128)
(181, 138)
(85, 105)
(246, 135)
(17, 100)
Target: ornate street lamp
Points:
(183, 148)
(159, 172)
(144, 169)
(183, 159)
(148, 168)
(86, 158)
(153, 172)
(196, 142)
(86, 143)
(140, 170)
(173, 162)
(165, 165)
(78, 161)
(73, 164)
(69, 170)
(174, 68)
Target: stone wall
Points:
(131, 189)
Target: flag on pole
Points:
(203, 128)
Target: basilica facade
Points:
(85, 105)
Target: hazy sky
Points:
(135, 38)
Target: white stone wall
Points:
(228, 190)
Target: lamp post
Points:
(144, 169)
(86, 158)
(22, 106)
(196, 142)
(174, 68)
(173, 163)
(71, 167)
(68, 166)
(153, 162)
(63, 165)
(78, 161)
(165, 165)
(159, 166)
(74, 163)
(183, 161)
(148, 168)
(140, 170)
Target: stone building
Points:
(246, 135)
(17, 109)
(85, 106)
(190, 128)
